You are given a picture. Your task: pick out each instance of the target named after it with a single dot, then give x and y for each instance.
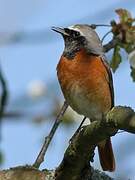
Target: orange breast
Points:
(84, 83)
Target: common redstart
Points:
(86, 80)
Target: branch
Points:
(25, 173)
(30, 173)
(4, 96)
(75, 165)
(77, 156)
(48, 138)
(111, 44)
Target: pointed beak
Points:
(60, 30)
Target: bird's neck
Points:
(71, 51)
(72, 47)
(81, 56)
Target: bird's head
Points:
(79, 37)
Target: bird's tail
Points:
(106, 155)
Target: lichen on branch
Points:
(81, 150)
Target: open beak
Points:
(60, 30)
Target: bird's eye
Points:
(76, 33)
(67, 30)
(72, 33)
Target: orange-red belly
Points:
(84, 83)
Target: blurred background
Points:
(29, 53)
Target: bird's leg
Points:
(48, 138)
(78, 129)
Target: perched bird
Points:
(86, 80)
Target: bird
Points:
(86, 80)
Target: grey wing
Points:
(110, 79)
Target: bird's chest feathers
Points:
(80, 100)
(81, 84)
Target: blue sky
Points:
(35, 57)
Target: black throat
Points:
(72, 46)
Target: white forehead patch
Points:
(76, 29)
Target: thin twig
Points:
(4, 96)
(105, 36)
(94, 26)
(111, 44)
(48, 138)
(107, 47)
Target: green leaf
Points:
(128, 47)
(124, 15)
(116, 59)
(132, 73)
(130, 35)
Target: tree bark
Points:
(81, 150)
(30, 173)
(75, 164)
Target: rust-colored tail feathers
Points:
(106, 155)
